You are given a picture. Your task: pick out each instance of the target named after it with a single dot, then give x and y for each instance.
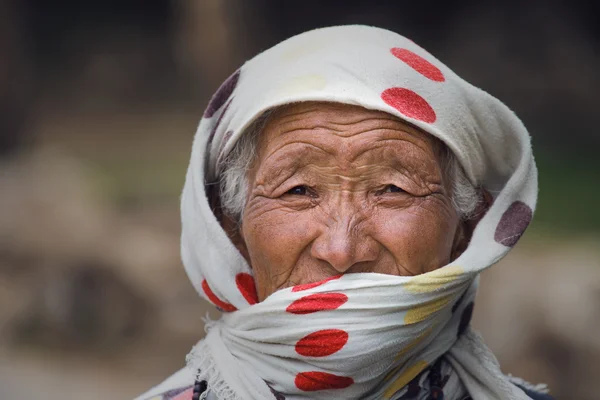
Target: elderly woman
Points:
(344, 192)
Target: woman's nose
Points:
(343, 247)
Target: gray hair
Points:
(233, 184)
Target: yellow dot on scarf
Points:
(405, 350)
(302, 50)
(434, 280)
(420, 313)
(406, 377)
(301, 84)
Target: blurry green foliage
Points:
(569, 191)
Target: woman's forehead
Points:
(342, 119)
(334, 124)
(345, 138)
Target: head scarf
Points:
(366, 335)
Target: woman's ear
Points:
(467, 226)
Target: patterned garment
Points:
(356, 336)
(432, 382)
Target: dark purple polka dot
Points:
(222, 94)
(465, 319)
(513, 223)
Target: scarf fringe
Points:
(540, 387)
(201, 361)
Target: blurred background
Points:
(99, 101)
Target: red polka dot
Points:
(419, 64)
(314, 380)
(245, 284)
(187, 395)
(322, 343)
(317, 302)
(409, 103)
(307, 286)
(218, 302)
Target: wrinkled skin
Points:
(338, 189)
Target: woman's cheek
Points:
(416, 240)
(276, 238)
(394, 229)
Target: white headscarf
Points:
(360, 335)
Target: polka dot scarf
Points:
(357, 336)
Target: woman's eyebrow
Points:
(278, 170)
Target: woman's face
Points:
(339, 189)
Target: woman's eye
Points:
(393, 189)
(298, 191)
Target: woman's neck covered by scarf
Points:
(357, 336)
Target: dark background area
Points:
(99, 101)
(540, 57)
